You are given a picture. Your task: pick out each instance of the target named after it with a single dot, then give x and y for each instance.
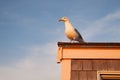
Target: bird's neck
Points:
(68, 25)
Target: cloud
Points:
(40, 61)
(39, 64)
(105, 25)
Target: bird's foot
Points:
(71, 41)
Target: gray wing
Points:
(78, 33)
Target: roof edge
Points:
(90, 44)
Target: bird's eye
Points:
(64, 17)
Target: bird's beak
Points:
(60, 20)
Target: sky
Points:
(29, 32)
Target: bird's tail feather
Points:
(81, 41)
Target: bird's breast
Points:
(71, 34)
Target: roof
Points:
(90, 44)
(89, 50)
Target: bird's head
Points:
(64, 19)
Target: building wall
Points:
(87, 69)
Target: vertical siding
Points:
(82, 75)
(75, 75)
(76, 64)
(99, 64)
(87, 64)
(91, 75)
(114, 65)
(87, 69)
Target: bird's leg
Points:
(70, 41)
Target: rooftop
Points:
(90, 44)
(89, 50)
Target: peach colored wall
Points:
(67, 54)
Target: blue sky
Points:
(29, 32)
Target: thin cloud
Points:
(99, 26)
(39, 63)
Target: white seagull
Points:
(71, 32)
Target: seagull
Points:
(71, 32)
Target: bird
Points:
(71, 32)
